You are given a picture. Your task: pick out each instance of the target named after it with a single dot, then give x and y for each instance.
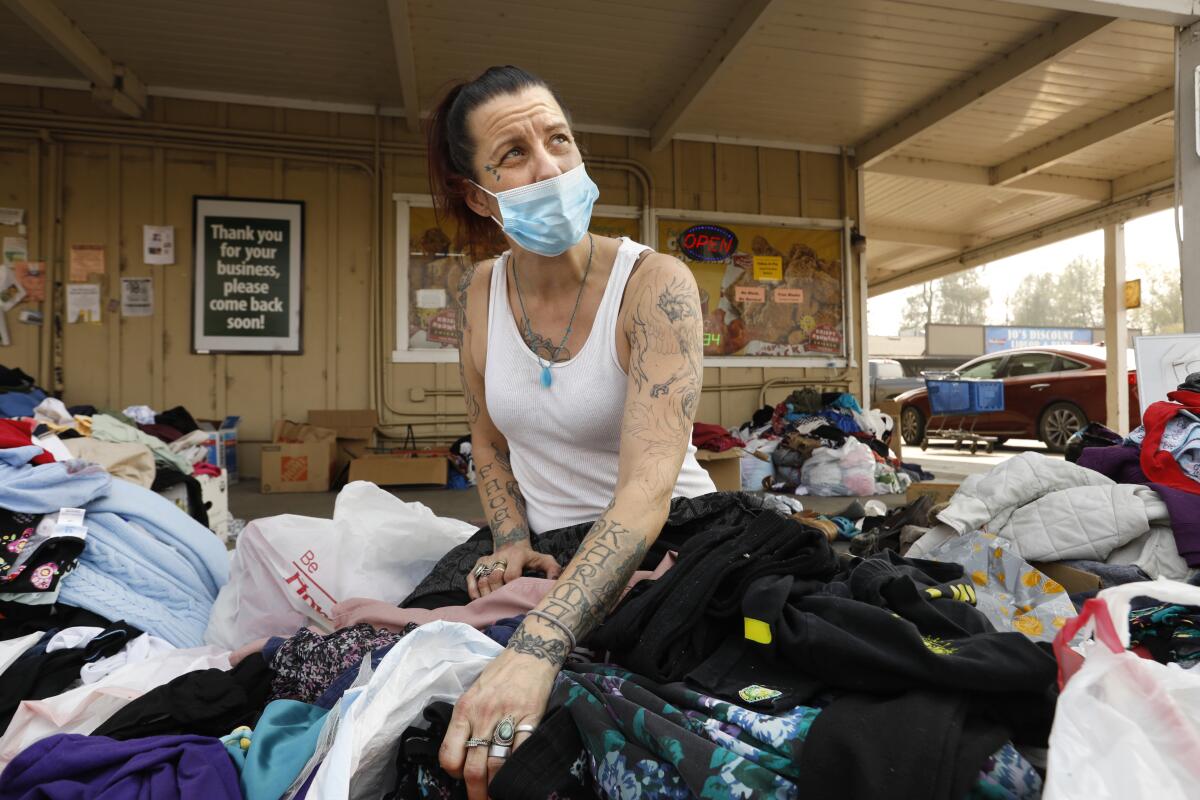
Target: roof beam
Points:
(734, 38)
(1151, 177)
(113, 85)
(949, 172)
(1161, 12)
(1057, 41)
(1037, 236)
(1151, 109)
(406, 62)
(940, 239)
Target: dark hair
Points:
(451, 153)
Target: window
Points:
(983, 369)
(1022, 364)
(780, 293)
(1069, 365)
(887, 369)
(429, 272)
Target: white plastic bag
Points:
(847, 471)
(755, 469)
(289, 571)
(1125, 727)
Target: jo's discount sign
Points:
(248, 265)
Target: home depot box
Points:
(401, 469)
(355, 433)
(300, 459)
(724, 468)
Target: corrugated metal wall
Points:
(105, 178)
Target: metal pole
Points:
(1187, 172)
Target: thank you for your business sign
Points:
(248, 275)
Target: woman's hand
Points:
(515, 684)
(507, 564)
(373, 612)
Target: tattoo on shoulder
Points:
(552, 650)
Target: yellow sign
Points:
(1133, 293)
(768, 268)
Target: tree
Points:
(918, 310)
(1070, 298)
(963, 299)
(1161, 310)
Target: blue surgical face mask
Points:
(549, 216)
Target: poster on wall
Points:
(158, 244)
(247, 271)
(765, 290)
(435, 272)
(32, 276)
(137, 297)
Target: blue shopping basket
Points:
(959, 397)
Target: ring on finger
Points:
(499, 564)
(499, 751)
(474, 742)
(526, 728)
(482, 571)
(505, 731)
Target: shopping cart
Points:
(964, 400)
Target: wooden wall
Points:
(112, 176)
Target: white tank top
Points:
(564, 440)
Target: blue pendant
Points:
(546, 377)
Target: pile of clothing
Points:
(746, 658)
(819, 444)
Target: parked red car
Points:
(1049, 394)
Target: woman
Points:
(581, 361)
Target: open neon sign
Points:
(707, 243)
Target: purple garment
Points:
(1122, 464)
(74, 767)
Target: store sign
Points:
(997, 339)
(708, 243)
(248, 282)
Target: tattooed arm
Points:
(498, 488)
(665, 332)
(661, 321)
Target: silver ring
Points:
(473, 742)
(505, 731)
(526, 728)
(499, 751)
(482, 571)
(499, 565)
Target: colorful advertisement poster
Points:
(780, 293)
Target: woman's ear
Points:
(477, 199)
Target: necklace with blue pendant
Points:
(547, 378)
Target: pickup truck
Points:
(888, 380)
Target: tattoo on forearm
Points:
(552, 650)
(501, 500)
(606, 559)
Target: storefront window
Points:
(434, 270)
(765, 291)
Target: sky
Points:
(1149, 240)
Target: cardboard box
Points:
(1073, 580)
(358, 425)
(892, 409)
(724, 468)
(940, 491)
(389, 469)
(300, 459)
(355, 433)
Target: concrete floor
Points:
(246, 502)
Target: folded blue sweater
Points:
(144, 561)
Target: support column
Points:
(1116, 330)
(1188, 169)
